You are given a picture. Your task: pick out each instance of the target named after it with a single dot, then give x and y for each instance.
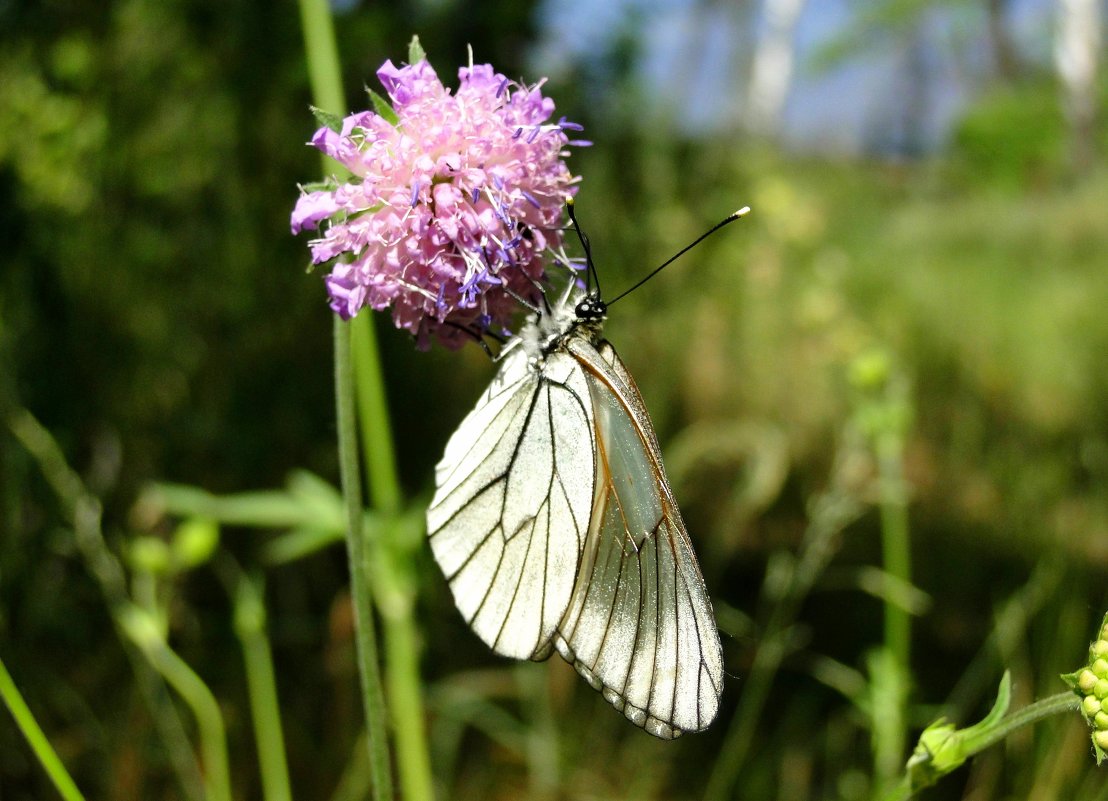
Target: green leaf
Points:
(382, 107)
(326, 185)
(415, 51)
(299, 543)
(327, 119)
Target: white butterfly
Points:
(556, 528)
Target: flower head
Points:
(452, 203)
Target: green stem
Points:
(406, 699)
(972, 744)
(365, 633)
(1066, 701)
(85, 512)
(322, 53)
(359, 376)
(45, 752)
(896, 552)
(373, 411)
(141, 627)
(324, 74)
(891, 723)
(261, 682)
(831, 512)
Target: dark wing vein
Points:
(639, 651)
(514, 492)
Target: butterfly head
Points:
(591, 309)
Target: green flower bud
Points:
(1100, 689)
(194, 542)
(1101, 720)
(1101, 740)
(1100, 668)
(1091, 705)
(870, 370)
(1098, 649)
(1086, 680)
(148, 555)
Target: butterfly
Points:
(556, 528)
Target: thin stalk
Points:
(141, 627)
(324, 73)
(355, 781)
(365, 633)
(85, 513)
(373, 412)
(261, 682)
(359, 377)
(542, 736)
(891, 722)
(406, 701)
(1063, 702)
(831, 512)
(45, 752)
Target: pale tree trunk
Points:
(1076, 46)
(1005, 60)
(772, 68)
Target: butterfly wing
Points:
(639, 627)
(514, 494)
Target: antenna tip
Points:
(569, 200)
(745, 210)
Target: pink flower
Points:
(450, 211)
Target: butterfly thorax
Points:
(576, 314)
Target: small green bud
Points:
(1100, 689)
(1086, 680)
(1101, 720)
(1101, 740)
(1099, 649)
(870, 370)
(1091, 705)
(1104, 631)
(1100, 668)
(148, 555)
(194, 542)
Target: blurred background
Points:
(910, 326)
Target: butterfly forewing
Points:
(515, 490)
(640, 626)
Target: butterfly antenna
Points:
(726, 221)
(593, 278)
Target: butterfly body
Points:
(556, 528)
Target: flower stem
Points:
(373, 411)
(45, 752)
(891, 721)
(325, 77)
(1056, 704)
(831, 512)
(261, 682)
(373, 698)
(358, 379)
(84, 511)
(406, 699)
(141, 627)
(976, 739)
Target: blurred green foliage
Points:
(156, 316)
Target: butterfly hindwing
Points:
(514, 495)
(639, 627)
